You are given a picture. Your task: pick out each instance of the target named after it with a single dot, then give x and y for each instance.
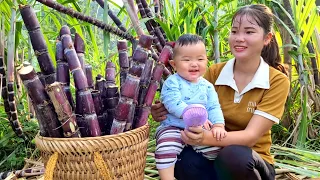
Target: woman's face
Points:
(247, 38)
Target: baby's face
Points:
(190, 61)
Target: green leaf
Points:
(299, 170)
(18, 33)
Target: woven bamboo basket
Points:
(121, 156)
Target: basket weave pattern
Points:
(124, 155)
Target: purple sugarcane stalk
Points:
(157, 28)
(80, 48)
(155, 80)
(130, 89)
(63, 109)
(114, 18)
(86, 117)
(38, 43)
(88, 72)
(110, 94)
(63, 75)
(149, 26)
(15, 124)
(4, 91)
(46, 116)
(156, 7)
(123, 60)
(82, 17)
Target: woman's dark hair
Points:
(264, 18)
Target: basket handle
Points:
(51, 164)
(98, 160)
(102, 166)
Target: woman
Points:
(252, 90)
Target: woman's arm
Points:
(256, 128)
(268, 111)
(158, 111)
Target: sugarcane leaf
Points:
(22, 1)
(166, 29)
(10, 3)
(306, 153)
(55, 20)
(310, 27)
(18, 33)
(299, 170)
(305, 164)
(284, 11)
(93, 42)
(289, 45)
(308, 7)
(288, 29)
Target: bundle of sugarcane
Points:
(47, 118)
(87, 118)
(156, 77)
(140, 69)
(100, 109)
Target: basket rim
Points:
(123, 134)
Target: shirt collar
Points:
(260, 79)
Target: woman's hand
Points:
(158, 111)
(193, 135)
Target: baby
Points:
(191, 101)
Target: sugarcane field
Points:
(80, 79)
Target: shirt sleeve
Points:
(215, 114)
(171, 97)
(274, 99)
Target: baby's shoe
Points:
(194, 115)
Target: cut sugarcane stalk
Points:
(86, 115)
(155, 81)
(47, 118)
(123, 60)
(79, 47)
(125, 109)
(88, 72)
(102, 117)
(63, 74)
(63, 110)
(38, 43)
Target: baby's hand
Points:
(219, 132)
(207, 125)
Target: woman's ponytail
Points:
(271, 55)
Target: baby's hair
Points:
(187, 39)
